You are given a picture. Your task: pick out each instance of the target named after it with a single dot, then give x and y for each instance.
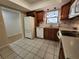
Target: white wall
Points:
(11, 20)
(3, 35)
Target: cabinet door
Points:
(65, 10)
(40, 32)
(39, 17)
(46, 33)
(50, 34)
(54, 33)
(65, 14)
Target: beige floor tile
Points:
(51, 51)
(5, 52)
(37, 46)
(43, 48)
(20, 44)
(16, 48)
(41, 53)
(33, 44)
(29, 56)
(0, 57)
(51, 42)
(48, 56)
(34, 50)
(56, 52)
(23, 53)
(25, 46)
(47, 42)
(56, 57)
(45, 45)
(29, 48)
(13, 56)
(56, 44)
(51, 46)
(36, 57)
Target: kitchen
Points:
(68, 31)
(62, 34)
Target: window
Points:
(52, 16)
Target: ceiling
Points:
(30, 5)
(11, 5)
(36, 1)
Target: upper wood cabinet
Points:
(39, 17)
(30, 14)
(65, 10)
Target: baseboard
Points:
(11, 39)
(4, 46)
(14, 34)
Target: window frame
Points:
(53, 17)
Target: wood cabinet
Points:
(61, 53)
(51, 33)
(65, 10)
(39, 17)
(31, 13)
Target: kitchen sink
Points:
(70, 33)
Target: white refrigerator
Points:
(29, 27)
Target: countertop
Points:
(70, 47)
(48, 27)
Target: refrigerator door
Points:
(29, 27)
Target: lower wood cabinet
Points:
(61, 53)
(51, 34)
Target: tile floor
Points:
(31, 49)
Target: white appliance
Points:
(59, 35)
(29, 27)
(40, 33)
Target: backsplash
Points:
(72, 23)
